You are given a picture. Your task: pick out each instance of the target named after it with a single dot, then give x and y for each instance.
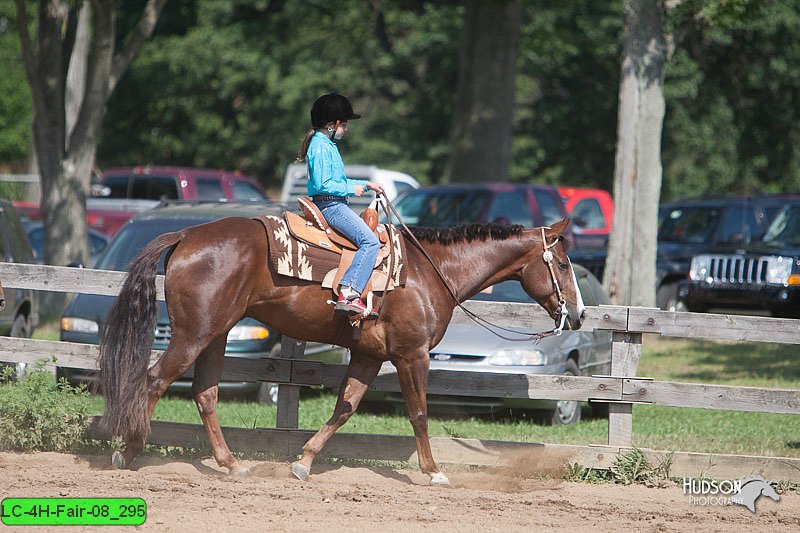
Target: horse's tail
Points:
(125, 344)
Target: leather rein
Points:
(547, 257)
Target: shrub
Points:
(37, 414)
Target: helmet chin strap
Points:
(332, 131)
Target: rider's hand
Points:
(375, 187)
(359, 190)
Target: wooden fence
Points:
(621, 389)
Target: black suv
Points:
(84, 316)
(20, 315)
(763, 274)
(696, 225)
(692, 226)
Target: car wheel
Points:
(21, 327)
(268, 392)
(566, 411)
(667, 298)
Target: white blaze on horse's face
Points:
(580, 308)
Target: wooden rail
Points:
(621, 389)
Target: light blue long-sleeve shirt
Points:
(326, 169)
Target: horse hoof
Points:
(439, 480)
(300, 471)
(241, 471)
(117, 461)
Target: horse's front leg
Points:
(360, 374)
(413, 375)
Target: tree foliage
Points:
(733, 95)
(235, 88)
(15, 96)
(229, 84)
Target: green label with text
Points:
(73, 511)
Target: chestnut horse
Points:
(218, 272)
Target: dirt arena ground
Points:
(195, 496)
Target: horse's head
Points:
(548, 277)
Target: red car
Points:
(592, 211)
(120, 193)
(176, 183)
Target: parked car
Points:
(764, 274)
(592, 212)
(176, 183)
(693, 226)
(295, 183)
(83, 318)
(104, 215)
(529, 205)
(470, 348)
(697, 225)
(35, 230)
(20, 316)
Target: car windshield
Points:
(134, 236)
(785, 229)
(688, 224)
(442, 208)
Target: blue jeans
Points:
(345, 221)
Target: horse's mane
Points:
(466, 233)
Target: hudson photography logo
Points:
(711, 492)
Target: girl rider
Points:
(329, 188)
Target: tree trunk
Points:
(630, 274)
(65, 149)
(76, 73)
(482, 132)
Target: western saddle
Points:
(314, 230)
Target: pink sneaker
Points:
(353, 306)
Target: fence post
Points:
(626, 349)
(289, 395)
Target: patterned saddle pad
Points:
(291, 257)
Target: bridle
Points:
(547, 256)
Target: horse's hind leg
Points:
(175, 361)
(360, 374)
(205, 390)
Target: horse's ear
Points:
(559, 227)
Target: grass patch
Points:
(48, 331)
(751, 364)
(661, 428)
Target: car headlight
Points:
(517, 357)
(779, 269)
(699, 269)
(79, 325)
(248, 333)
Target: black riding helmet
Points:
(330, 108)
